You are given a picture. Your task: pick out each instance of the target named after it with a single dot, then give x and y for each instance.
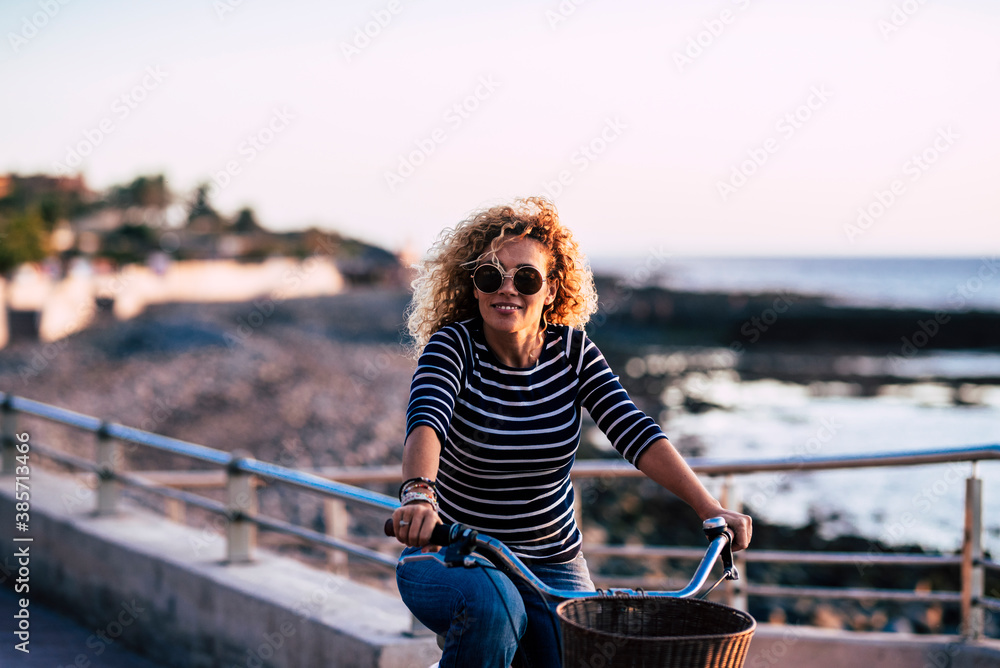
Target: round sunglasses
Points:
(488, 278)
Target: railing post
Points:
(241, 533)
(732, 499)
(8, 436)
(108, 456)
(973, 575)
(175, 510)
(337, 519)
(578, 508)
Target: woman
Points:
(494, 422)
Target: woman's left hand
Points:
(741, 525)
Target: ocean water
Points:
(770, 418)
(901, 505)
(952, 284)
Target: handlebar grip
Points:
(442, 534)
(714, 526)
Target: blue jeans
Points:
(483, 615)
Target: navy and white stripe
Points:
(509, 436)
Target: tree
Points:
(246, 222)
(143, 191)
(200, 205)
(53, 198)
(203, 219)
(129, 243)
(22, 239)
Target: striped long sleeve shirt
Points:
(509, 436)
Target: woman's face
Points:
(507, 310)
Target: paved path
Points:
(58, 641)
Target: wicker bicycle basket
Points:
(653, 632)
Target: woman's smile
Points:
(504, 307)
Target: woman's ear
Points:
(553, 290)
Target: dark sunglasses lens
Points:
(527, 280)
(487, 279)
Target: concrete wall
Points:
(163, 588)
(796, 646)
(67, 306)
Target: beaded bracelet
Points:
(417, 487)
(427, 482)
(415, 496)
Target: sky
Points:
(727, 127)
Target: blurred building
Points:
(39, 185)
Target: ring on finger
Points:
(403, 523)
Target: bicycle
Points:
(624, 627)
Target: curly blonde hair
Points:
(443, 292)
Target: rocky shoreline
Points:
(782, 320)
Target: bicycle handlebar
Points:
(441, 535)
(462, 540)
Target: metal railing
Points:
(237, 472)
(240, 509)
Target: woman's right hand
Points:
(413, 524)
